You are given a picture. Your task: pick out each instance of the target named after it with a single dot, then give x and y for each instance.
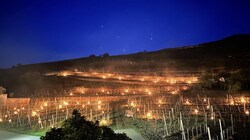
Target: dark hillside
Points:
(229, 54)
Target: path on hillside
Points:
(131, 133)
(4, 135)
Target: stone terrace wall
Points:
(3, 99)
(13, 102)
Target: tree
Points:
(238, 80)
(206, 80)
(223, 79)
(78, 128)
(231, 81)
(18, 65)
(54, 134)
(92, 56)
(2, 90)
(105, 55)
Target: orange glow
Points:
(159, 101)
(148, 114)
(64, 74)
(187, 102)
(196, 111)
(173, 92)
(243, 100)
(247, 112)
(103, 122)
(133, 104)
(65, 103)
(34, 113)
(232, 103)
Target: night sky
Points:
(50, 30)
